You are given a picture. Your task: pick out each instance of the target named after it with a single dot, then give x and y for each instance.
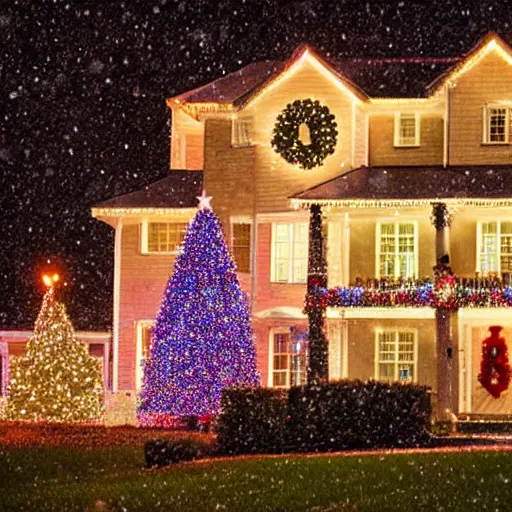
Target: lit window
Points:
(496, 124)
(289, 359)
(241, 129)
(144, 334)
(395, 356)
(397, 249)
(162, 237)
(289, 253)
(407, 129)
(241, 236)
(495, 248)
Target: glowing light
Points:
(493, 45)
(295, 64)
(55, 380)
(49, 281)
(202, 340)
(204, 201)
(143, 212)
(299, 203)
(428, 293)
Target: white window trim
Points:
(139, 326)
(486, 132)
(275, 330)
(377, 244)
(144, 227)
(417, 127)
(380, 331)
(290, 253)
(235, 131)
(479, 243)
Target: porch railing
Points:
(449, 293)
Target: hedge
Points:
(253, 420)
(162, 452)
(343, 415)
(348, 415)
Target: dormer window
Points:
(496, 124)
(241, 129)
(407, 129)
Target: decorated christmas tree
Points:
(202, 341)
(56, 380)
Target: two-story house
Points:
(414, 139)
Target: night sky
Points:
(83, 115)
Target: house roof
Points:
(411, 77)
(485, 44)
(378, 78)
(413, 183)
(230, 88)
(178, 190)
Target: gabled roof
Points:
(304, 52)
(178, 190)
(411, 77)
(486, 44)
(421, 184)
(230, 88)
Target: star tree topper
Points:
(204, 201)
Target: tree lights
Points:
(203, 339)
(56, 380)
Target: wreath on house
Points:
(494, 367)
(318, 120)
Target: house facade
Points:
(419, 171)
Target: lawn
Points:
(79, 476)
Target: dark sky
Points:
(83, 116)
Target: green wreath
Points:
(322, 130)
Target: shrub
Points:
(252, 420)
(342, 415)
(348, 415)
(162, 452)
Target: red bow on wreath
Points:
(494, 368)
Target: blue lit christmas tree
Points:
(202, 341)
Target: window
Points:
(407, 129)
(395, 356)
(162, 237)
(144, 334)
(496, 124)
(289, 253)
(289, 359)
(397, 249)
(241, 242)
(494, 250)
(241, 129)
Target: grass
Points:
(62, 478)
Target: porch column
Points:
(441, 219)
(318, 369)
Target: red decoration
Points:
(494, 368)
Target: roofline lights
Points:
(298, 203)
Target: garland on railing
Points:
(448, 294)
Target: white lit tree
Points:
(56, 380)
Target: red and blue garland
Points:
(421, 294)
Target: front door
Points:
(481, 401)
